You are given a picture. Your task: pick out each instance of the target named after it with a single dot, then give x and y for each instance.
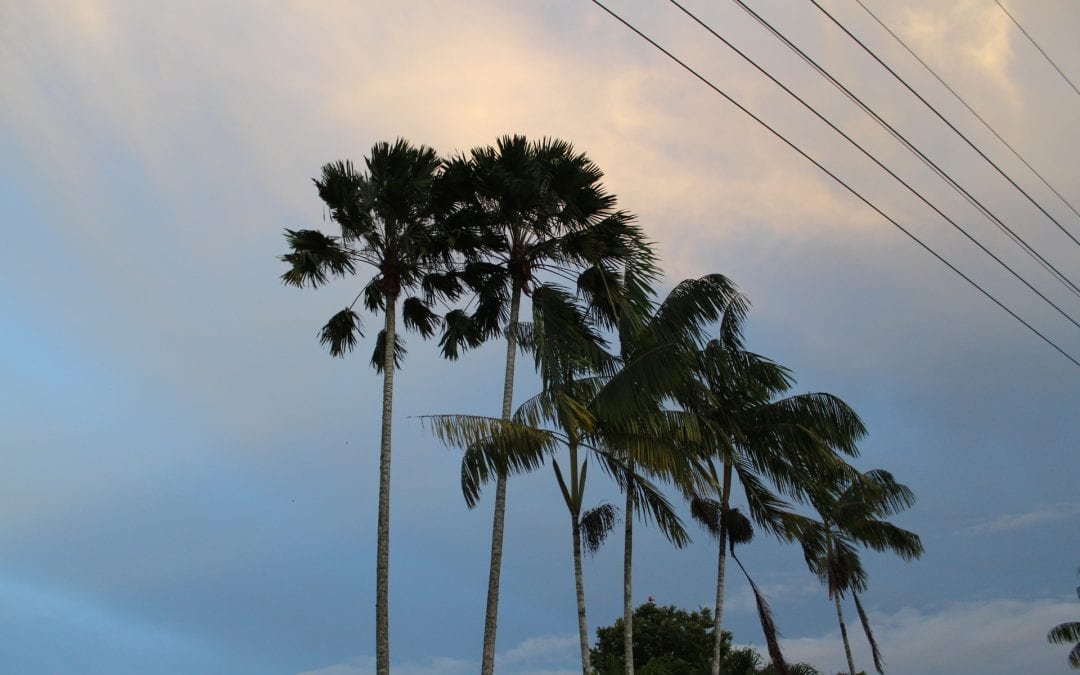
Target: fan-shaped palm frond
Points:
(314, 257)
(340, 332)
(378, 353)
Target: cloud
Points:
(1042, 513)
(740, 597)
(995, 637)
(542, 655)
(541, 650)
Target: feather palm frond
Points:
(865, 620)
(768, 624)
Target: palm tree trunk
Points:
(628, 560)
(579, 584)
(382, 558)
(721, 562)
(491, 616)
(843, 634)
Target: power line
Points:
(836, 178)
(872, 158)
(969, 108)
(1036, 44)
(942, 118)
(921, 155)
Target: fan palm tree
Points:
(757, 437)
(852, 508)
(540, 209)
(1067, 633)
(386, 216)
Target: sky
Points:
(189, 481)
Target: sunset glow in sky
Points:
(188, 481)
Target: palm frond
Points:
(459, 333)
(691, 306)
(595, 525)
(768, 624)
(441, 285)
(340, 332)
(1065, 633)
(379, 353)
(869, 634)
(884, 536)
(651, 504)
(880, 492)
(842, 570)
(345, 192)
(568, 496)
(767, 510)
(314, 257)
(418, 316)
(492, 446)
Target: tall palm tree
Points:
(757, 437)
(541, 210)
(386, 216)
(576, 411)
(657, 349)
(852, 508)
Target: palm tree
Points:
(656, 356)
(852, 508)
(540, 209)
(582, 384)
(755, 437)
(386, 217)
(1067, 633)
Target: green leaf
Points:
(340, 332)
(419, 317)
(314, 257)
(378, 355)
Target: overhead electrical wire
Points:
(969, 108)
(1054, 271)
(836, 178)
(876, 161)
(1036, 44)
(947, 122)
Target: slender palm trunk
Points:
(382, 558)
(628, 561)
(843, 633)
(491, 616)
(721, 563)
(579, 584)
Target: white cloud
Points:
(740, 597)
(540, 651)
(1041, 513)
(1002, 636)
(542, 655)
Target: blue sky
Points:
(189, 482)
